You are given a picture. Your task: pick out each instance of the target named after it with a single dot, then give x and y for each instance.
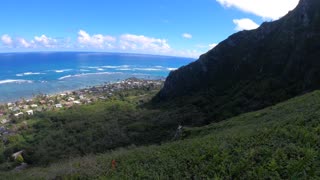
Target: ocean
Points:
(24, 75)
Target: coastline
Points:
(66, 99)
(13, 91)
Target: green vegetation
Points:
(125, 135)
(120, 121)
(279, 142)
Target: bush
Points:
(19, 159)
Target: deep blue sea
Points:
(23, 75)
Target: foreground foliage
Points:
(279, 142)
(81, 130)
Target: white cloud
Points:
(245, 24)
(6, 40)
(150, 45)
(187, 35)
(95, 41)
(130, 43)
(211, 46)
(37, 42)
(267, 9)
(44, 41)
(143, 43)
(21, 42)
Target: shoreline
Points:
(66, 99)
(30, 97)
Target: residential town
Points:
(23, 108)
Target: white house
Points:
(76, 102)
(18, 114)
(29, 112)
(58, 105)
(34, 105)
(4, 121)
(51, 101)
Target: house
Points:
(18, 114)
(70, 99)
(69, 104)
(26, 107)
(76, 102)
(34, 106)
(58, 105)
(29, 100)
(29, 112)
(15, 109)
(4, 121)
(9, 104)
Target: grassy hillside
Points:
(119, 121)
(279, 142)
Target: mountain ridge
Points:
(256, 68)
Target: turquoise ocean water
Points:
(23, 75)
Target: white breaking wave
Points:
(18, 81)
(147, 69)
(124, 69)
(65, 77)
(155, 68)
(115, 67)
(93, 67)
(88, 74)
(131, 68)
(139, 69)
(62, 70)
(29, 74)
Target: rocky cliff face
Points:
(277, 61)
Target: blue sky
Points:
(167, 27)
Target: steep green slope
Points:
(254, 69)
(279, 142)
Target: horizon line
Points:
(105, 52)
